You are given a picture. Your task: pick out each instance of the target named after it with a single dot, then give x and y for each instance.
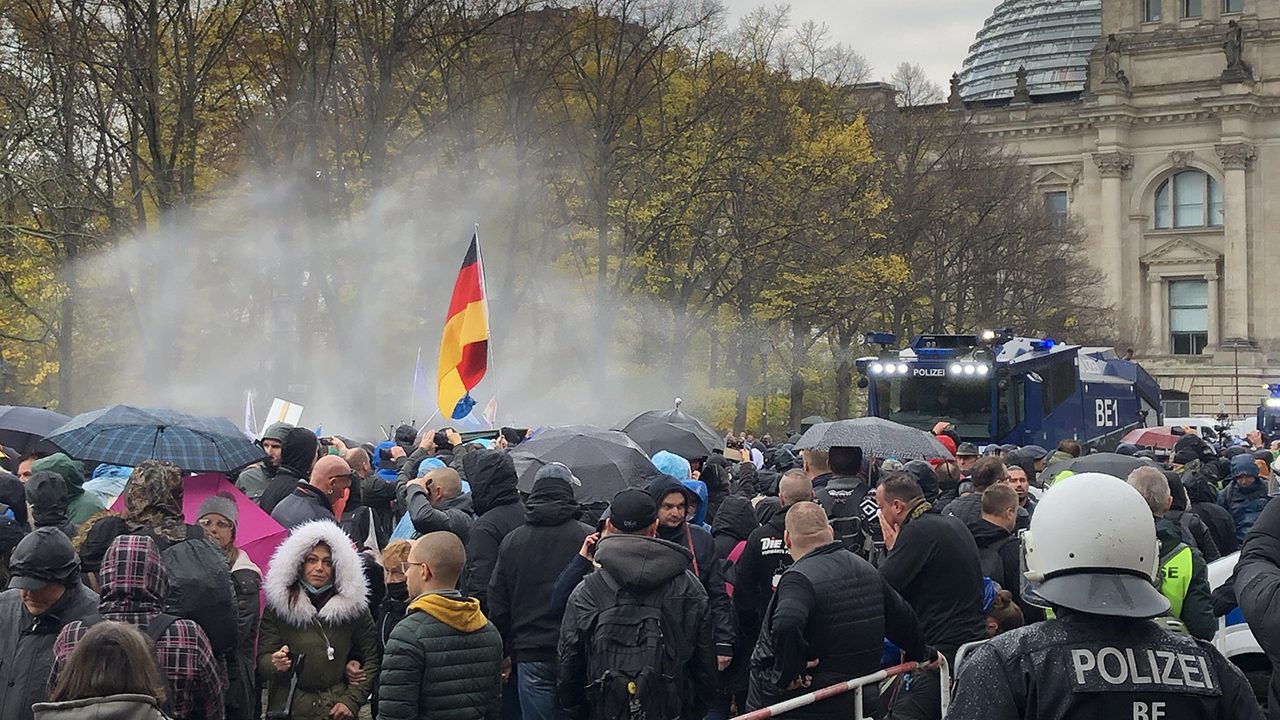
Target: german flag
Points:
(464, 344)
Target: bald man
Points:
(825, 623)
(435, 502)
(445, 654)
(313, 500)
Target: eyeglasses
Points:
(220, 524)
(404, 566)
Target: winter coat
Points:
(1244, 504)
(762, 562)
(242, 696)
(135, 584)
(453, 513)
(492, 476)
(80, 506)
(831, 606)
(253, 481)
(1257, 588)
(305, 504)
(707, 566)
(1195, 533)
(26, 646)
(47, 495)
(735, 521)
(1001, 556)
(1197, 607)
(529, 560)
(112, 707)
(297, 455)
(647, 567)
(937, 551)
(1054, 671)
(343, 624)
(443, 662)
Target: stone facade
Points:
(1170, 162)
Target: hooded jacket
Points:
(529, 560)
(305, 504)
(650, 568)
(1197, 606)
(1244, 504)
(707, 565)
(492, 475)
(443, 662)
(79, 505)
(1204, 504)
(454, 514)
(112, 707)
(699, 489)
(134, 585)
(734, 523)
(47, 495)
(297, 455)
(342, 623)
(757, 571)
(26, 642)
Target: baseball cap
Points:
(42, 558)
(967, 449)
(632, 510)
(1035, 452)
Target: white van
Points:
(1234, 639)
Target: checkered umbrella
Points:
(123, 435)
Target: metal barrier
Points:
(807, 699)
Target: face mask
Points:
(317, 591)
(398, 591)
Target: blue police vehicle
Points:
(997, 388)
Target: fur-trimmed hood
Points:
(350, 588)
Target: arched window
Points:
(1188, 199)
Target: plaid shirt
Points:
(133, 586)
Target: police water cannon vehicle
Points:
(998, 388)
(1269, 413)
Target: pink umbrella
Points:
(256, 533)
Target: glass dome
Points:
(1051, 38)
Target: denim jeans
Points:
(537, 682)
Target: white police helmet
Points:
(1092, 547)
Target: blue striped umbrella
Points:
(124, 435)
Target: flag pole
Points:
(488, 326)
(413, 389)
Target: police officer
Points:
(1091, 555)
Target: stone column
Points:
(1113, 167)
(1215, 308)
(1159, 309)
(1236, 158)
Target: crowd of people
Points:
(418, 580)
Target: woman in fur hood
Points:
(317, 620)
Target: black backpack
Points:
(200, 589)
(631, 665)
(154, 631)
(993, 563)
(850, 523)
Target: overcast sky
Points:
(935, 34)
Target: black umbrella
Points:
(673, 431)
(23, 428)
(1106, 463)
(877, 437)
(123, 435)
(605, 461)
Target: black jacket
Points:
(492, 476)
(1257, 586)
(734, 523)
(1220, 523)
(758, 568)
(297, 455)
(969, 510)
(643, 566)
(529, 560)
(709, 568)
(1001, 557)
(453, 514)
(1062, 670)
(831, 606)
(1195, 533)
(936, 551)
(304, 504)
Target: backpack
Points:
(992, 563)
(154, 630)
(630, 664)
(849, 526)
(200, 589)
